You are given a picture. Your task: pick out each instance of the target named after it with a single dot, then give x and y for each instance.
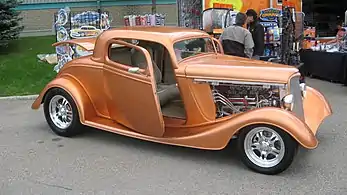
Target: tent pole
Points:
(154, 6)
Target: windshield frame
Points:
(198, 54)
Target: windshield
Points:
(190, 47)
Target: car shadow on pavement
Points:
(228, 155)
(225, 157)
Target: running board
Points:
(199, 140)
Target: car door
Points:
(131, 91)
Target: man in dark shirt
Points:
(257, 31)
(237, 40)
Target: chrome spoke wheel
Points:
(60, 111)
(264, 147)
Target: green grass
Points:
(21, 72)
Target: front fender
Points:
(75, 90)
(277, 117)
(316, 108)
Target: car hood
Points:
(226, 67)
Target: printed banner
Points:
(270, 14)
(244, 5)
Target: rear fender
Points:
(75, 90)
(280, 118)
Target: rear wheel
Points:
(266, 149)
(61, 113)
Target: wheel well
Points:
(253, 126)
(44, 96)
(80, 104)
(265, 125)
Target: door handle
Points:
(134, 70)
(137, 70)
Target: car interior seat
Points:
(165, 92)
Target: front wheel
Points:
(61, 113)
(266, 149)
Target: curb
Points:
(27, 97)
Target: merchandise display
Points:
(315, 44)
(145, 20)
(325, 57)
(282, 22)
(269, 20)
(70, 25)
(291, 36)
(189, 13)
(244, 5)
(283, 33)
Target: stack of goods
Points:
(272, 41)
(313, 43)
(145, 20)
(269, 18)
(309, 37)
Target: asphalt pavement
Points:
(35, 161)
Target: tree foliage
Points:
(10, 19)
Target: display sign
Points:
(230, 4)
(270, 14)
(244, 5)
(222, 5)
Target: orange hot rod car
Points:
(175, 86)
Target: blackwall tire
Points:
(61, 113)
(277, 146)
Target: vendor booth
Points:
(287, 39)
(282, 21)
(325, 57)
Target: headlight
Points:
(288, 102)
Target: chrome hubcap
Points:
(264, 147)
(60, 111)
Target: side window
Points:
(190, 47)
(127, 56)
(279, 2)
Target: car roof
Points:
(164, 32)
(164, 35)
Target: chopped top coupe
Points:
(175, 86)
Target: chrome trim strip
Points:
(217, 82)
(295, 89)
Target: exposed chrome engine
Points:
(235, 98)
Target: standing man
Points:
(257, 31)
(236, 40)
